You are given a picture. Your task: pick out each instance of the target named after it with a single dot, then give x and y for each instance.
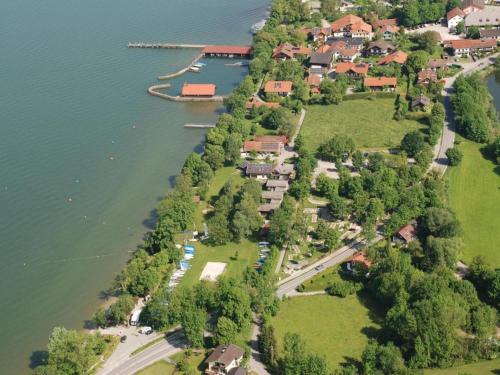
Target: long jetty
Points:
(163, 45)
(183, 70)
(199, 126)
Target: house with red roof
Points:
(352, 69)
(426, 76)
(228, 51)
(320, 34)
(454, 17)
(468, 46)
(398, 57)
(388, 31)
(405, 235)
(288, 51)
(198, 90)
(282, 88)
(314, 81)
(351, 26)
(380, 83)
(378, 24)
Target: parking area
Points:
(442, 30)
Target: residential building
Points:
(351, 69)
(437, 64)
(349, 42)
(398, 57)
(405, 235)
(284, 171)
(257, 170)
(314, 81)
(282, 88)
(272, 138)
(489, 16)
(468, 46)
(426, 76)
(380, 83)
(225, 360)
(421, 102)
(388, 31)
(454, 17)
(198, 90)
(471, 6)
(490, 34)
(277, 185)
(381, 23)
(379, 48)
(288, 52)
(320, 34)
(262, 147)
(228, 51)
(322, 60)
(351, 26)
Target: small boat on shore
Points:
(194, 69)
(199, 65)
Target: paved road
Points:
(287, 286)
(171, 345)
(440, 162)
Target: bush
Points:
(454, 156)
(341, 288)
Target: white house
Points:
(225, 359)
(454, 17)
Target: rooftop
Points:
(396, 57)
(472, 43)
(380, 81)
(321, 58)
(455, 12)
(273, 147)
(408, 232)
(236, 50)
(345, 67)
(278, 87)
(489, 16)
(225, 354)
(198, 89)
(386, 22)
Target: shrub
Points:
(454, 156)
(341, 288)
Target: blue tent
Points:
(189, 247)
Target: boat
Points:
(258, 26)
(239, 63)
(199, 65)
(194, 69)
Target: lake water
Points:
(85, 153)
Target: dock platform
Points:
(199, 126)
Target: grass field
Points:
(369, 123)
(322, 280)
(336, 328)
(158, 368)
(475, 196)
(479, 368)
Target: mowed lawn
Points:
(475, 196)
(479, 368)
(336, 328)
(158, 368)
(369, 123)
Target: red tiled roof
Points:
(198, 89)
(386, 22)
(271, 138)
(389, 28)
(455, 12)
(380, 81)
(472, 43)
(290, 51)
(342, 22)
(238, 50)
(427, 75)
(313, 79)
(351, 51)
(408, 232)
(261, 146)
(324, 48)
(254, 103)
(361, 26)
(397, 57)
(344, 67)
(278, 87)
(361, 258)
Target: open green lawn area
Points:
(336, 328)
(475, 196)
(158, 368)
(369, 123)
(322, 280)
(479, 368)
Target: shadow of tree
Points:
(350, 361)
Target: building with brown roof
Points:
(489, 16)
(271, 138)
(322, 60)
(283, 88)
(436, 64)
(314, 81)
(379, 48)
(256, 103)
(198, 89)
(490, 34)
(288, 51)
(381, 23)
(421, 102)
(467, 46)
(351, 69)
(257, 170)
(405, 235)
(471, 6)
(351, 26)
(388, 31)
(426, 76)
(224, 360)
(320, 34)
(228, 51)
(454, 17)
(380, 83)
(398, 57)
(262, 147)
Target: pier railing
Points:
(163, 45)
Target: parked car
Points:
(123, 338)
(319, 267)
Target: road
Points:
(287, 286)
(129, 366)
(440, 162)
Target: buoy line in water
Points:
(67, 260)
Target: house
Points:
(206, 90)
(489, 16)
(268, 207)
(244, 52)
(314, 81)
(454, 17)
(320, 34)
(405, 235)
(272, 138)
(351, 69)
(277, 185)
(262, 147)
(378, 24)
(348, 42)
(380, 83)
(468, 46)
(426, 76)
(287, 51)
(379, 48)
(351, 26)
(284, 171)
(421, 102)
(273, 196)
(437, 64)
(256, 103)
(472, 6)
(388, 31)
(225, 360)
(282, 88)
(257, 170)
(398, 57)
(358, 261)
(490, 34)
(342, 51)
(322, 60)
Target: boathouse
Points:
(244, 52)
(205, 90)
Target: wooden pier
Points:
(199, 126)
(164, 45)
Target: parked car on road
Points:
(123, 338)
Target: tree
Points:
(197, 169)
(460, 28)
(483, 321)
(226, 331)
(382, 359)
(236, 306)
(454, 156)
(268, 345)
(214, 155)
(427, 41)
(326, 186)
(333, 91)
(495, 149)
(330, 9)
(281, 223)
(120, 310)
(336, 149)
(276, 119)
(218, 229)
(413, 143)
(246, 219)
(440, 222)
(473, 32)
(358, 159)
(417, 61)
(329, 235)
(193, 322)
